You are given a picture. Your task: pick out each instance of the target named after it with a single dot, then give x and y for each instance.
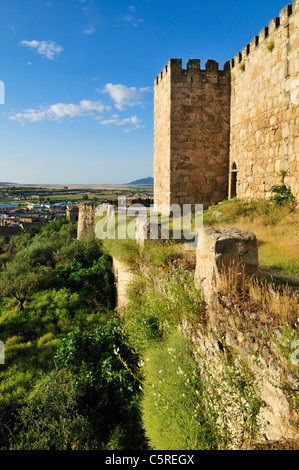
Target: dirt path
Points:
(287, 278)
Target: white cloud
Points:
(89, 30)
(124, 96)
(129, 20)
(134, 121)
(47, 49)
(122, 122)
(58, 111)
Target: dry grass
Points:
(274, 305)
(276, 228)
(278, 244)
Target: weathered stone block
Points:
(220, 250)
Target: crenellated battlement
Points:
(211, 66)
(227, 133)
(193, 66)
(265, 34)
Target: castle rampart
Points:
(226, 133)
(191, 133)
(264, 130)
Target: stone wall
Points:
(191, 133)
(264, 137)
(86, 219)
(234, 326)
(235, 341)
(240, 333)
(162, 93)
(220, 134)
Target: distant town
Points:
(27, 208)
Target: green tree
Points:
(106, 370)
(19, 280)
(91, 274)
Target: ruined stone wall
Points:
(234, 341)
(264, 136)
(86, 219)
(123, 277)
(191, 133)
(237, 326)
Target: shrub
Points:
(282, 195)
(93, 280)
(51, 420)
(106, 371)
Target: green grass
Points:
(31, 338)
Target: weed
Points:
(270, 46)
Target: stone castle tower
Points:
(225, 133)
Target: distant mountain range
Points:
(142, 182)
(146, 181)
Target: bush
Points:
(282, 195)
(95, 283)
(106, 371)
(51, 420)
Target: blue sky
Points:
(79, 78)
